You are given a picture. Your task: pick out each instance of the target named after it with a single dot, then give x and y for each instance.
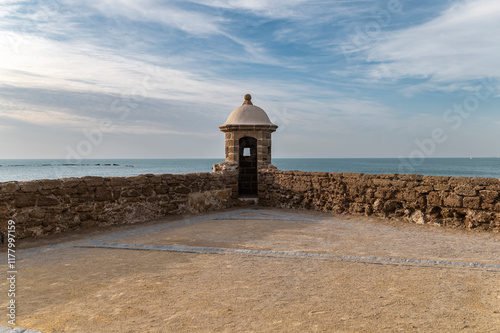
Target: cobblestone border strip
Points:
(215, 250)
(4, 329)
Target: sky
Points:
(405, 79)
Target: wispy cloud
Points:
(167, 13)
(459, 45)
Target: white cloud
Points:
(276, 8)
(459, 45)
(189, 21)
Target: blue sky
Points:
(155, 79)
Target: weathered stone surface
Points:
(25, 200)
(118, 181)
(50, 200)
(93, 181)
(419, 199)
(154, 179)
(130, 193)
(73, 203)
(182, 190)
(71, 182)
(489, 196)
(418, 217)
(453, 200)
(161, 189)
(424, 189)
(472, 202)
(50, 206)
(434, 199)
(84, 208)
(32, 186)
(10, 187)
(50, 184)
(466, 190)
(442, 187)
(209, 200)
(103, 194)
(37, 214)
(147, 191)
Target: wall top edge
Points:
(394, 176)
(96, 178)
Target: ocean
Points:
(22, 170)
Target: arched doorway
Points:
(247, 183)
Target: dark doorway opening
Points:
(247, 183)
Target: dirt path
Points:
(261, 270)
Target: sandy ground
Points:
(282, 285)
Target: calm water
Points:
(53, 169)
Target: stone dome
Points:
(248, 114)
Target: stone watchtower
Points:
(248, 145)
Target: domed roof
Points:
(248, 114)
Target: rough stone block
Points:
(489, 196)
(131, 200)
(71, 182)
(424, 189)
(465, 190)
(93, 181)
(380, 193)
(493, 188)
(137, 181)
(103, 194)
(118, 181)
(161, 189)
(182, 190)
(434, 199)
(453, 200)
(130, 193)
(50, 200)
(10, 187)
(398, 183)
(411, 178)
(382, 182)
(77, 190)
(153, 199)
(442, 187)
(50, 184)
(25, 200)
(472, 202)
(32, 186)
(418, 217)
(434, 180)
(487, 206)
(147, 191)
(37, 213)
(84, 208)
(154, 179)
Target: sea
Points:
(22, 170)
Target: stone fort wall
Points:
(43, 207)
(448, 201)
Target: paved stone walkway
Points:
(263, 270)
(268, 215)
